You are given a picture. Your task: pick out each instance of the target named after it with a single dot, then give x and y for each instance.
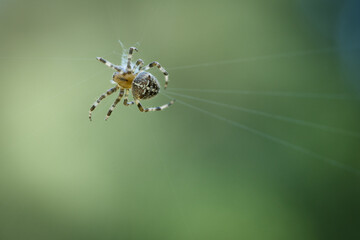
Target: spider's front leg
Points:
(130, 55)
(139, 64)
(153, 109)
(109, 92)
(110, 65)
(166, 74)
(117, 100)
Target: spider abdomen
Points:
(145, 86)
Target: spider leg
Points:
(117, 100)
(126, 103)
(108, 92)
(166, 74)
(152, 109)
(109, 64)
(131, 50)
(139, 64)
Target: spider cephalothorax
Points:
(143, 84)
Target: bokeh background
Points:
(187, 172)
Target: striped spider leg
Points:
(130, 55)
(156, 64)
(126, 103)
(146, 86)
(108, 92)
(117, 100)
(110, 65)
(138, 65)
(153, 109)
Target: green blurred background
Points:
(180, 173)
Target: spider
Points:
(142, 84)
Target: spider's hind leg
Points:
(108, 92)
(153, 109)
